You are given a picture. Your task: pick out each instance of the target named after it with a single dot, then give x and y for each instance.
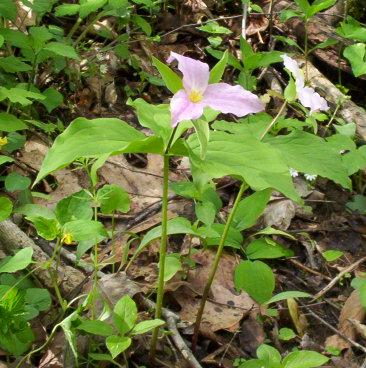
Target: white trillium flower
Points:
(306, 95)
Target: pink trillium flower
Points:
(189, 102)
(307, 95)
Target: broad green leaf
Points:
(203, 133)
(256, 278)
(259, 164)
(38, 298)
(205, 212)
(19, 261)
(215, 28)
(286, 334)
(172, 80)
(53, 99)
(117, 344)
(146, 326)
(357, 204)
(47, 228)
(15, 181)
(213, 234)
(19, 95)
(125, 314)
(217, 71)
(262, 59)
(253, 363)
(5, 159)
(172, 266)
(356, 56)
(324, 44)
(74, 207)
(2, 40)
(155, 117)
(332, 255)
(269, 355)
(96, 327)
(355, 160)
(39, 36)
(67, 9)
(286, 295)
(304, 359)
(82, 230)
(250, 208)
(271, 231)
(318, 6)
(245, 48)
(303, 5)
(33, 210)
(6, 206)
(111, 198)
(266, 248)
(310, 154)
(67, 327)
(177, 225)
(351, 28)
(8, 9)
(15, 38)
(61, 49)
(92, 138)
(12, 64)
(142, 23)
(10, 123)
(90, 6)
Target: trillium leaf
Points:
(217, 71)
(93, 138)
(10, 123)
(243, 155)
(310, 154)
(172, 80)
(19, 261)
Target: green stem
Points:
(220, 249)
(274, 120)
(113, 243)
(163, 248)
(88, 28)
(306, 49)
(215, 265)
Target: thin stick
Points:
(244, 20)
(338, 277)
(325, 323)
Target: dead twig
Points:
(338, 277)
(308, 269)
(325, 323)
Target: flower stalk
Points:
(215, 265)
(163, 247)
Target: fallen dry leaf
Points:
(298, 319)
(352, 310)
(225, 307)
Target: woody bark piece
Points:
(12, 238)
(348, 110)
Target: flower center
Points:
(195, 96)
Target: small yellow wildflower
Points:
(67, 239)
(3, 141)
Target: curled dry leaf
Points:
(298, 319)
(257, 24)
(351, 311)
(225, 307)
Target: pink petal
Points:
(311, 99)
(195, 73)
(231, 99)
(292, 66)
(181, 108)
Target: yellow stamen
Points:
(195, 96)
(67, 239)
(3, 141)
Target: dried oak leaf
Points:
(225, 307)
(351, 311)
